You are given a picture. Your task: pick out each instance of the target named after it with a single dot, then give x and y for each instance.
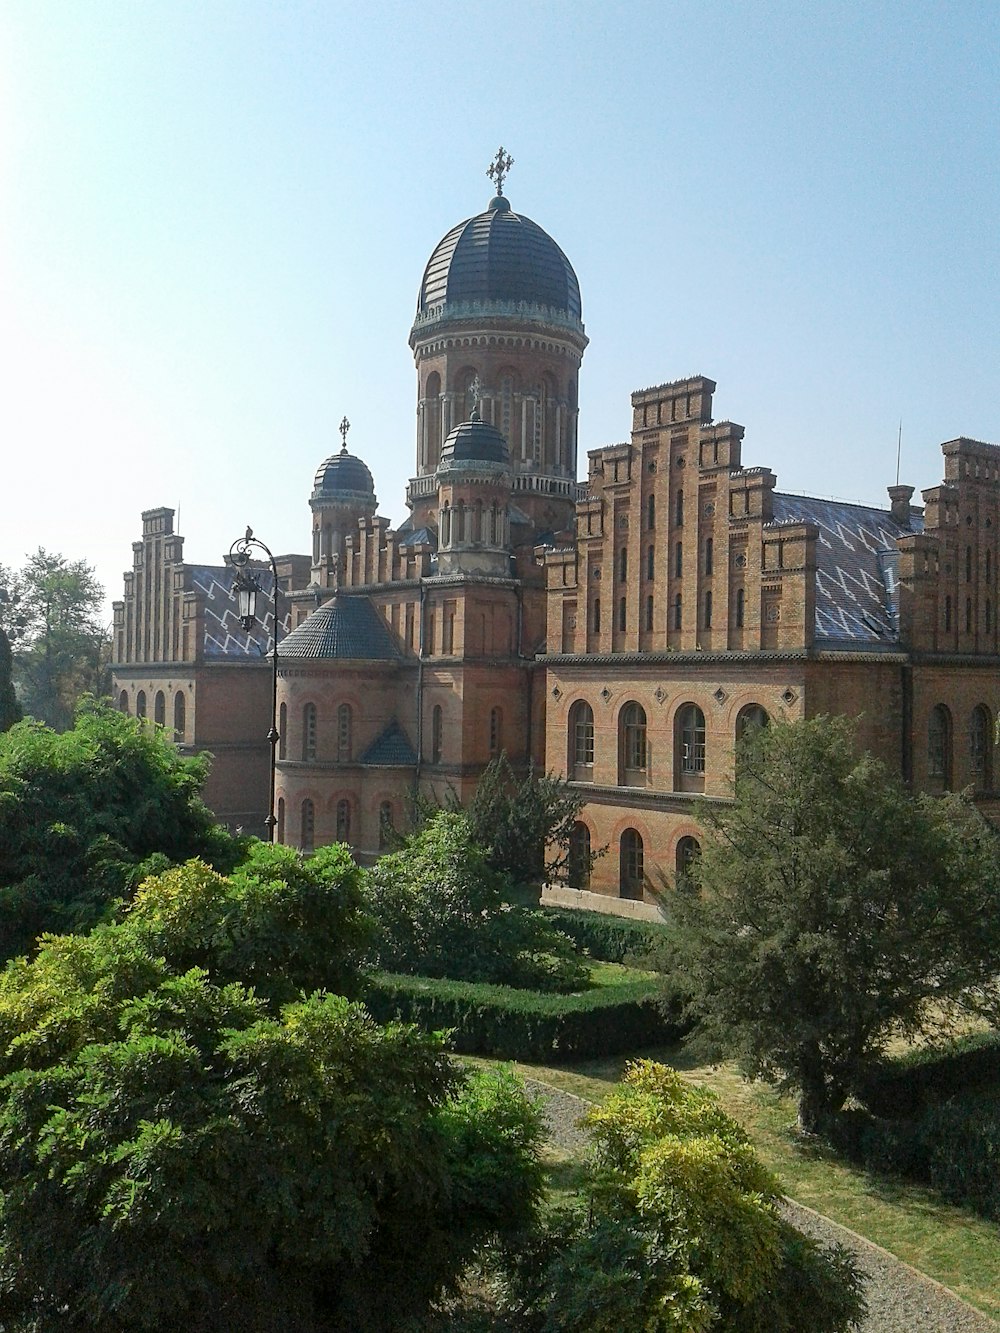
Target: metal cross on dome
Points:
(499, 168)
(345, 426)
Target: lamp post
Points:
(247, 588)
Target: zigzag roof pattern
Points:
(224, 635)
(857, 567)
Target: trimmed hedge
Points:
(612, 939)
(528, 1025)
(923, 1078)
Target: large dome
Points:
(343, 474)
(500, 256)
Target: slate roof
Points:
(418, 537)
(392, 749)
(857, 570)
(346, 627)
(224, 635)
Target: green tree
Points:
(52, 617)
(10, 709)
(85, 814)
(829, 911)
(179, 1154)
(677, 1231)
(442, 910)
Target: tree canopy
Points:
(82, 813)
(830, 909)
(51, 612)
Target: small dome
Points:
(500, 256)
(342, 473)
(474, 441)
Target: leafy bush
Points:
(613, 939)
(175, 1155)
(678, 1231)
(442, 912)
(931, 1074)
(85, 815)
(514, 1024)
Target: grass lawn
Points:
(948, 1244)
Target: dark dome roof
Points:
(343, 472)
(500, 255)
(475, 441)
(346, 627)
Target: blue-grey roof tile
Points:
(347, 627)
(391, 749)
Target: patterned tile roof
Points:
(224, 635)
(348, 628)
(857, 569)
(390, 750)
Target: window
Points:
(677, 611)
(649, 611)
(947, 613)
(140, 704)
(579, 860)
(988, 616)
(123, 701)
(679, 509)
(981, 747)
(740, 607)
(688, 851)
(309, 732)
(496, 732)
(280, 836)
(689, 741)
(385, 826)
(308, 837)
(709, 554)
(581, 740)
(622, 613)
(651, 512)
(708, 610)
(283, 731)
(939, 745)
(968, 615)
(344, 733)
(630, 872)
(622, 565)
(180, 716)
(437, 733)
(597, 615)
(650, 562)
(753, 715)
(678, 559)
(159, 708)
(343, 821)
(632, 739)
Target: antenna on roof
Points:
(178, 527)
(899, 447)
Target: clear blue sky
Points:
(214, 218)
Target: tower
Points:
(343, 494)
(499, 321)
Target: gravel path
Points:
(900, 1300)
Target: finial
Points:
(499, 168)
(475, 392)
(345, 426)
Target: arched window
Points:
(159, 708)
(679, 509)
(689, 748)
(740, 607)
(651, 512)
(630, 867)
(939, 745)
(309, 732)
(581, 741)
(709, 554)
(385, 825)
(283, 731)
(688, 850)
(678, 559)
(343, 821)
(140, 704)
(123, 701)
(981, 747)
(496, 732)
(632, 745)
(280, 837)
(180, 716)
(597, 615)
(677, 611)
(437, 733)
(649, 611)
(753, 715)
(579, 861)
(344, 734)
(308, 837)
(623, 564)
(650, 562)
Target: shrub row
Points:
(527, 1025)
(954, 1147)
(922, 1078)
(612, 939)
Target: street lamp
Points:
(247, 588)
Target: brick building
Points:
(621, 630)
